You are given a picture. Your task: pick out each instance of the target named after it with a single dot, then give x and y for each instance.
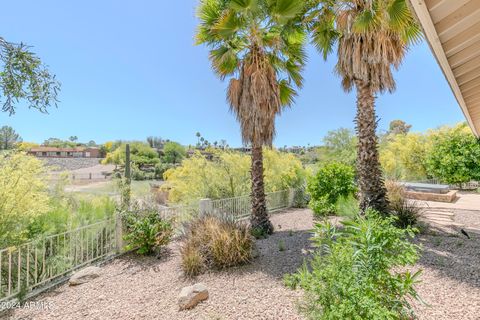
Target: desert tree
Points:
(370, 37)
(259, 46)
(23, 77)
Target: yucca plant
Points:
(371, 37)
(259, 45)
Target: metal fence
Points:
(241, 207)
(35, 264)
(80, 176)
(32, 267)
(472, 185)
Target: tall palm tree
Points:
(371, 37)
(259, 45)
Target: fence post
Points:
(291, 197)
(206, 206)
(119, 232)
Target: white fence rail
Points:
(241, 207)
(34, 266)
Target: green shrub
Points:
(146, 230)
(215, 242)
(347, 206)
(331, 181)
(355, 272)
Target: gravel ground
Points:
(450, 262)
(134, 287)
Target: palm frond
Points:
(224, 61)
(227, 24)
(287, 93)
(244, 5)
(284, 10)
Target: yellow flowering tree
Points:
(403, 156)
(23, 195)
(228, 175)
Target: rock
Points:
(191, 296)
(84, 276)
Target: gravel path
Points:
(135, 287)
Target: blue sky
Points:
(129, 69)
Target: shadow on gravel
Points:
(454, 256)
(135, 263)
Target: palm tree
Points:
(259, 45)
(371, 37)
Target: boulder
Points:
(191, 296)
(84, 275)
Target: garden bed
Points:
(135, 287)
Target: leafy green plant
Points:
(215, 242)
(454, 156)
(331, 181)
(347, 206)
(173, 153)
(355, 272)
(146, 230)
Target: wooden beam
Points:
(423, 15)
(433, 4)
(459, 20)
(466, 67)
(473, 99)
(465, 55)
(469, 76)
(442, 9)
(471, 85)
(462, 40)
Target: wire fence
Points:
(30, 268)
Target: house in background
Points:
(53, 152)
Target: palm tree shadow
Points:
(452, 255)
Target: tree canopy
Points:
(173, 152)
(24, 77)
(454, 156)
(8, 138)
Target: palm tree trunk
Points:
(370, 178)
(259, 219)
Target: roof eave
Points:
(423, 16)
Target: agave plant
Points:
(259, 46)
(371, 37)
